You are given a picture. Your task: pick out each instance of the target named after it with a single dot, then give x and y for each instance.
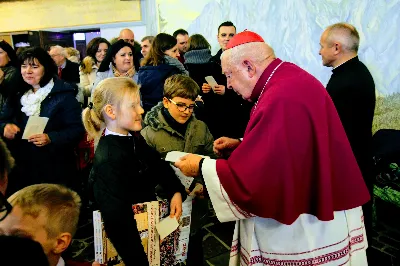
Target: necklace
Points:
(270, 76)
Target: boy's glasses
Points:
(182, 107)
(5, 207)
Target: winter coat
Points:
(163, 138)
(151, 80)
(87, 74)
(11, 84)
(198, 139)
(54, 162)
(125, 172)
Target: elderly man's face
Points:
(237, 79)
(58, 58)
(327, 51)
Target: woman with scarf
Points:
(47, 157)
(159, 64)
(96, 52)
(117, 63)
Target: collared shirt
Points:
(64, 64)
(61, 262)
(109, 132)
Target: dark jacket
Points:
(217, 57)
(137, 55)
(125, 172)
(151, 79)
(352, 90)
(11, 84)
(55, 162)
(225, 115)
(70, 73)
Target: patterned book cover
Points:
(172, 250)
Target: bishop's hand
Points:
(189, 165)
(224, 146)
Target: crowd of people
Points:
(286, 158)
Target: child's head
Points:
(46, 213)
(180, 93)
(115, 103)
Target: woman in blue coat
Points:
(160, 63)
(48, 157)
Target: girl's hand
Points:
(176, 206)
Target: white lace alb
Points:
(31, 101)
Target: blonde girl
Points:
(125, 169)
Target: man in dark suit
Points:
(352, 90)
(67, 70)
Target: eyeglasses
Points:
(182, 107)
(5, 207)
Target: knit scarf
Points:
(175, 62)
(129, 74)
(31, 101)
(198, 56)
(180, 128)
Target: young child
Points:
(125, 169)
(171, 126)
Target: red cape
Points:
(295, 157)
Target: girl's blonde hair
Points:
(109, 91)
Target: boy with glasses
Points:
(171, 126)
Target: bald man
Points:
(292, 183)
(128, 36)
(352, 90)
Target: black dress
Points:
(125, 172)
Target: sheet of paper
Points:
(174, 156)
(35, 125)
(211, 81)
(185, 180)
(167, 226)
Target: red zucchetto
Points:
(244, 37)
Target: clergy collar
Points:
(109, 132)
(343, 66)
(263, 79)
